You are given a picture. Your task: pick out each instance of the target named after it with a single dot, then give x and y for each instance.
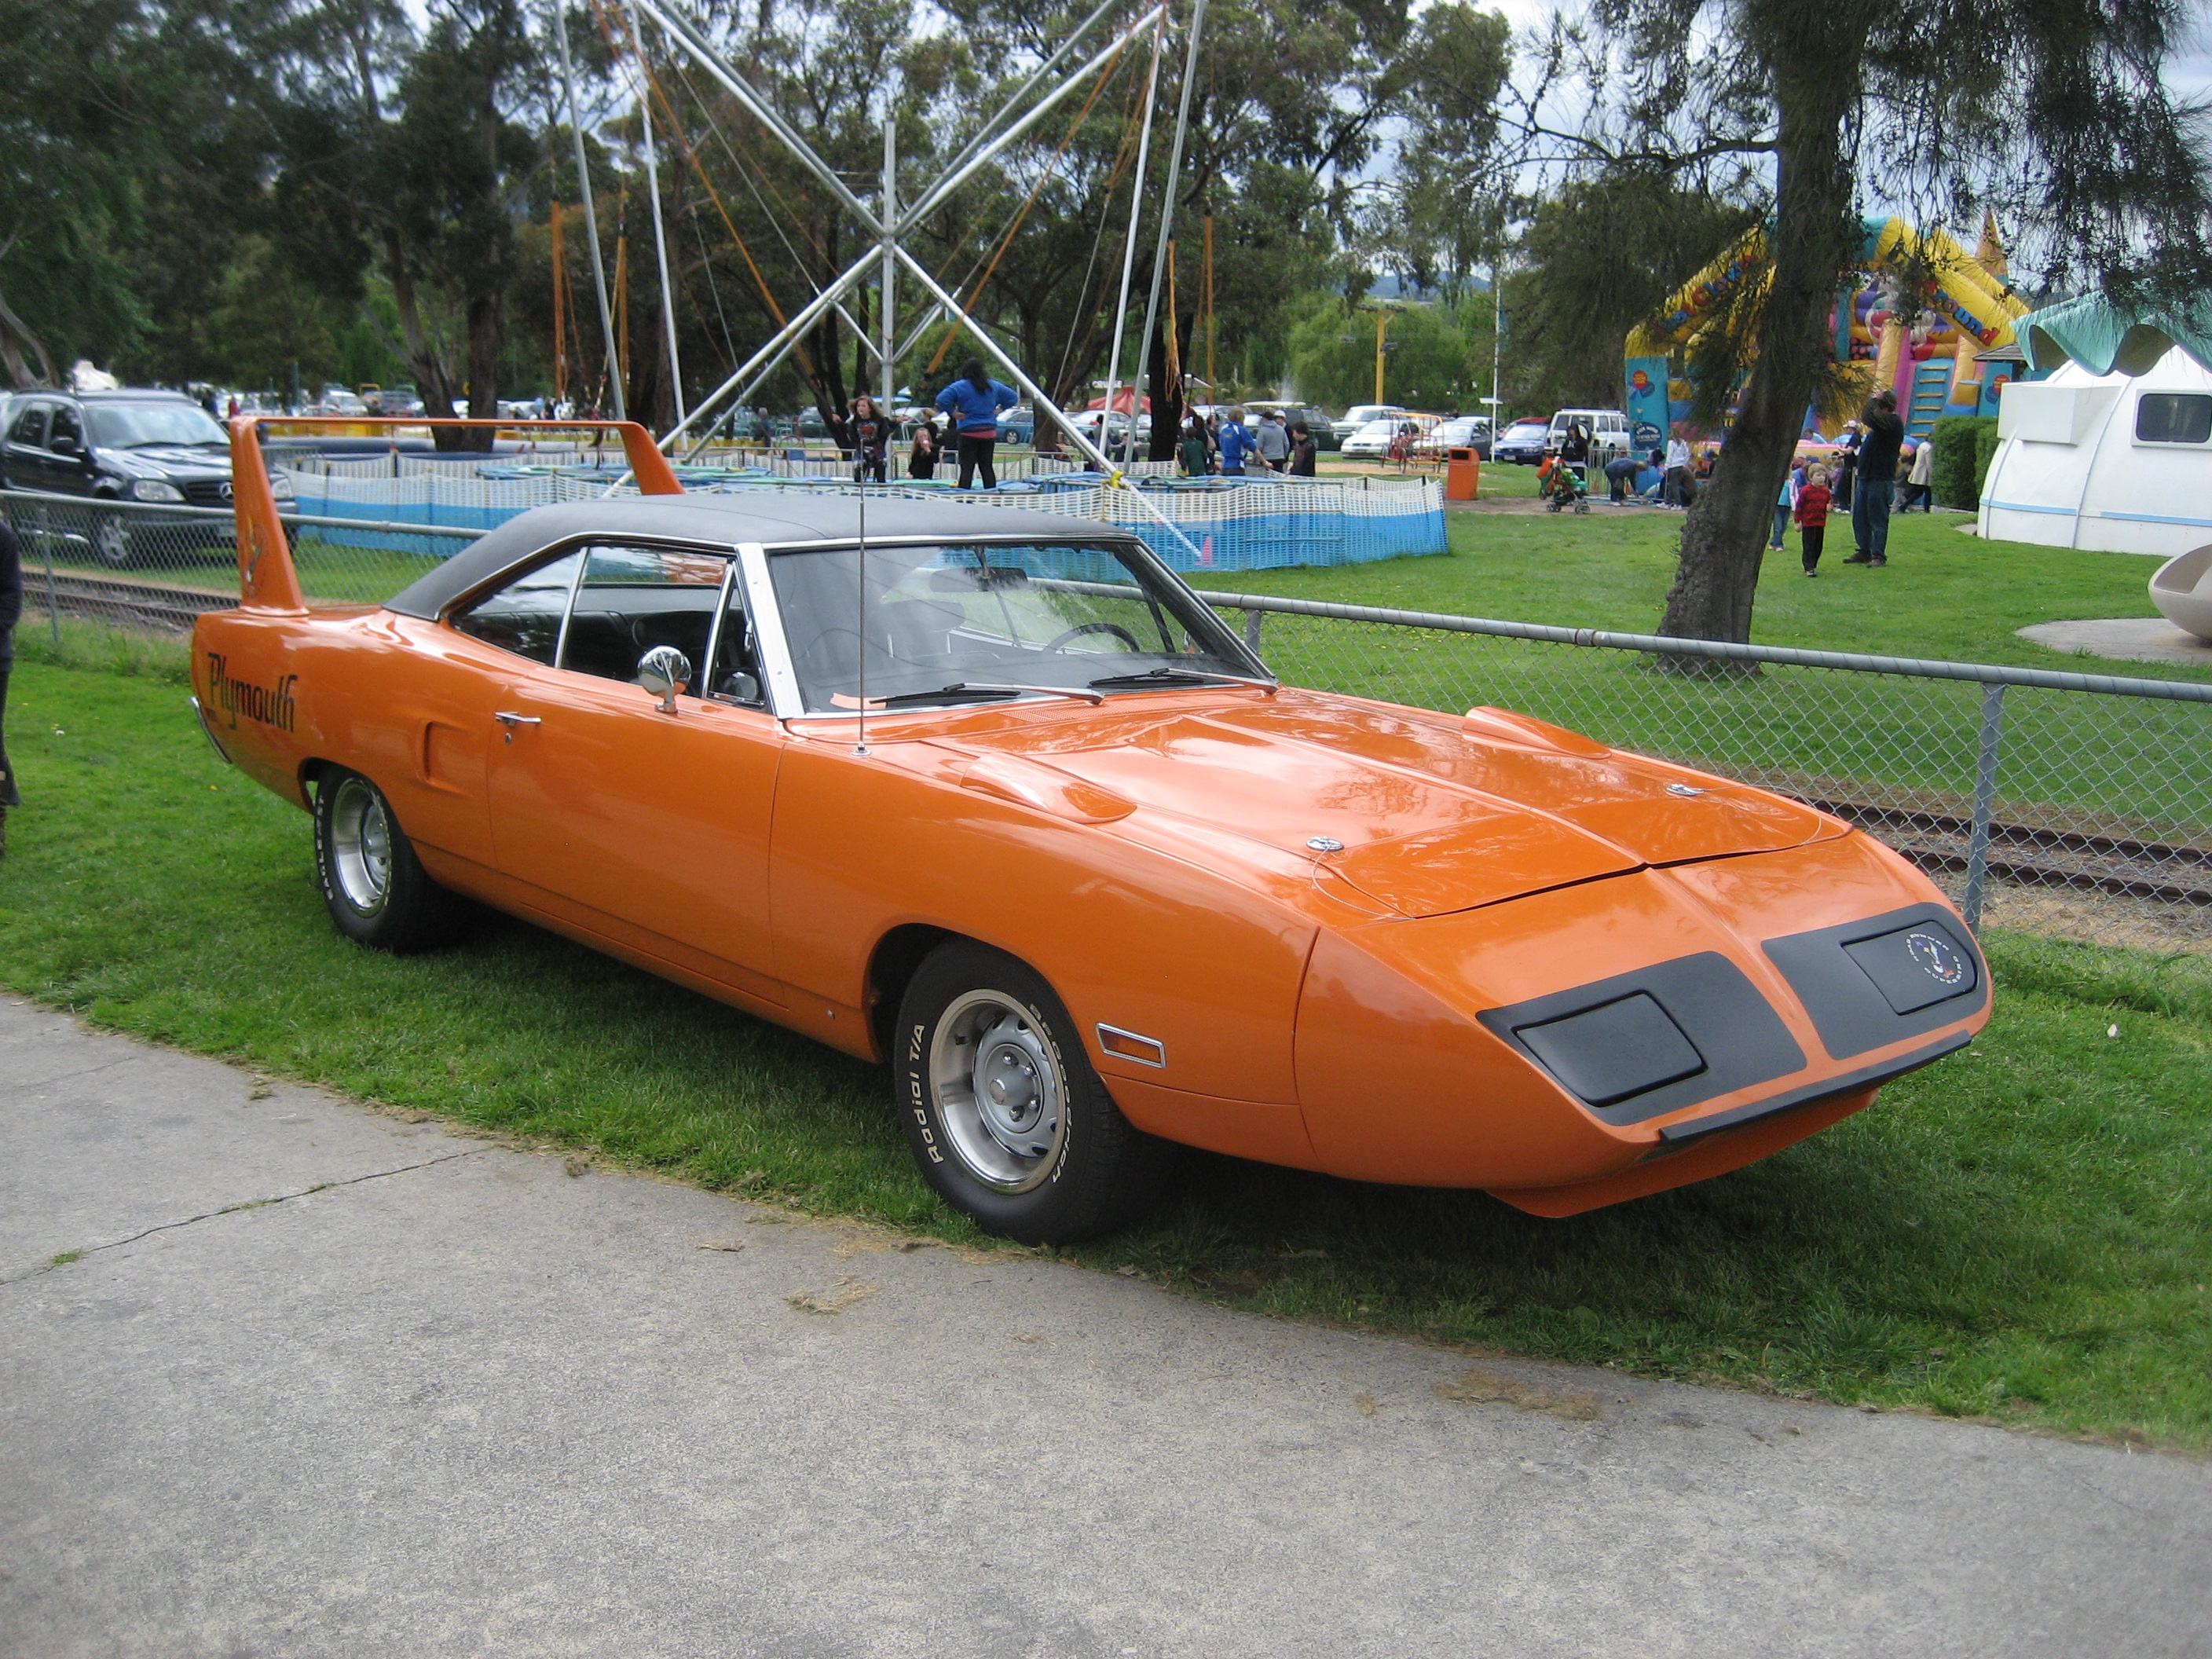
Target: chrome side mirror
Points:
(664, 671)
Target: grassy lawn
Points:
(1944, 595)
(2019, 1233)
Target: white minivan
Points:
(1608, 430)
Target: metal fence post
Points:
(53, 605)
(1252, 620)
(1985, 789)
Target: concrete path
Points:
(442, 1398)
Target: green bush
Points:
(1961, 460)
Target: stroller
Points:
(1562, 485)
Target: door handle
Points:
(510, 719)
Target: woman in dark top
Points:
(11, 608)
(1302, 451)
(871, 441)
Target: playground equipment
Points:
(1924, 344)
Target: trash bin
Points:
(1463, 475)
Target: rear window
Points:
(2174, 417)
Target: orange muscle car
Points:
(994, 797)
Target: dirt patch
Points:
(846, 1292)
(1481, 1387)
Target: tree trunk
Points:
(487, 337)
(1724, 534)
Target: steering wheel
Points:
(1061, 642)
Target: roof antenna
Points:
(860, 742)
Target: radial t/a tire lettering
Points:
(1002, 1110)
(374, 887)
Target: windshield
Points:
(129, 426)
(937, 616)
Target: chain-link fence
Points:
(2073, 804)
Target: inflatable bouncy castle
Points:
(1916, 317)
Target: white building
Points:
(2116, 463)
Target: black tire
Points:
(374, 886)
(1061, 1166)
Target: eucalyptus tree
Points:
(2055, 111)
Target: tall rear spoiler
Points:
(267, 580)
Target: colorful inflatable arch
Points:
(1929, 355)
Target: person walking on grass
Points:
(11, 610)
(1675, 490)
(1877, 480)
(1784, 505)
(974, 402)
(1920, 483)
(1302, 451)
(1812, 515)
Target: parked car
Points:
(1523, 442)
(1018, 425)
(996, 800)
(1361, 414)
(130, 445)
(1461, 432)
(1372, 442)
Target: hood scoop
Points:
(1463, 866)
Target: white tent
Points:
(2116, 463)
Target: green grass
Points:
(2069, 758)
(2020, 1232)
(1944, 595)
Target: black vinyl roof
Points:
(722, 521)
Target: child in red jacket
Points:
(1812, 516)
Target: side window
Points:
(31, 427)
(65, 425)
(2173, 417)
(633, 599)
(523, 615)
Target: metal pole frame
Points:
(590, 215)
(887, 353)
(1036, 80)
(1167, 220)
(661, 246)
(1129, 245)
(1114, 479)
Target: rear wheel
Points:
(1002, 1110)
(374, 887)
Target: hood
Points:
(168, 461)
(1427, 815)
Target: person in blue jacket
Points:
(1236, 441)
(974, 402)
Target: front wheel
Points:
(374, 887)
(1002, 1110)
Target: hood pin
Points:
(1326, 844)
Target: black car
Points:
(1523, 442)
(124, 445)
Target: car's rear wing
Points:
(267, 580)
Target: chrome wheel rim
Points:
(113, 542)
(361, 846)
(1000, 1090)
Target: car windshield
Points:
(953, 624)
(133, 426)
